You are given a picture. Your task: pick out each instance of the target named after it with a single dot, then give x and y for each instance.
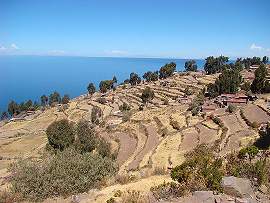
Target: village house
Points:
(238, 102)
(208, 108)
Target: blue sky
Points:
(142, 28)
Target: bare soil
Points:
(255, 113)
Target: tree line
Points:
(15, 109)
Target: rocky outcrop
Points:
(204, 196)
(237, 187)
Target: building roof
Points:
(208, 107)
(236, 100)
(242, 95)
(227, 95)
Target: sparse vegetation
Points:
(65, 173)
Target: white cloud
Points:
(116, 52)
(14, 47)
(268, 50)
(256, 48)
(56, 51)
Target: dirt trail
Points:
(150, 144)
(127, 147)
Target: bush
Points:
(124, 107)
(134, 196)
(255, 125)
(101, 100)
(166, 101)
(231, 108)
(175, 125)
(167, 190)
(200, 171)
(64, 174)
(258, 171)
(60, 134)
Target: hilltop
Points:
(150, 138)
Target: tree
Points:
(147, 95)
(246, 86)
(65, 99)
(28, 104)
(22, 107)
(4, 115)
(215, 65)
(167, 70)
(189, 65)
(86, 139)
(247, 62)
(134, 79)
(151, 76)
(35, 105)
(258, 84)
(227, 83)
(115, 79)
(44, 99)
(60, 134)
(105, 85)
(256, 61)
(91, 88)
(265, 60)
(54, 98)
(13, 108)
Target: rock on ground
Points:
(237, 187)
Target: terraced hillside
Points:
(146, 138)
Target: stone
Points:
(226, 198)
(237, 187)
(142, 174)
(263, 189)
(204, 196)
(248, 200)
(75, 198)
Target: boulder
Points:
(204, 196)
(263, 189)
(237, 187)
(248, 200)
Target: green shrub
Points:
(60, 134)
(255, 125)
(64, 174)
(175, 125)
(200, 171)
(231, 108)
(124, 107)
(238, 165)
(111, 200)
(101, 100)
(166, 101)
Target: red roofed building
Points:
(208, 108)
(242, 96)
(109, 100)
(239, 102)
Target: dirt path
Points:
(127, 147)
(150, 144)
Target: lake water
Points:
(29, 77)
